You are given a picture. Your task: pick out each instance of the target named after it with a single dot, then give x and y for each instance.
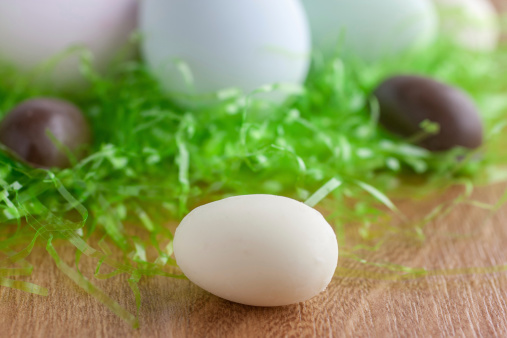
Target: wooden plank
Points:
(359, 301)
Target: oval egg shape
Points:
(406, 101)
(371, 30)
(260, 250)
(198, 47)
(34, 31)
(25, 132)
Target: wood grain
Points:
(359, 302)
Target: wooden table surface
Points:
(361, 300)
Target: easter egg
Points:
(370, 30)
(472, 24)
(260, 250)
(35, 31)
(198, 47)
(40, 131)
(406, 101)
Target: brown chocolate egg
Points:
(407, 101)
(40, 131)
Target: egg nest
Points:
(152, 162)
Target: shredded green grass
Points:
(152, 162)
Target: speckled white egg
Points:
(370, 29)
(473, 24)
(34, 31)
(260, 250)
(198, 47)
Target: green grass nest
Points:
(152, 162)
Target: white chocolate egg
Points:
(34, 31)
(260, 250)
(198, 47)
(370, 29)
(472, 24)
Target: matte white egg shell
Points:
(259, 250)
(225, 43)
(370, 29)
(33, 31)
(473, 24)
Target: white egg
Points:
(371, 30)
(473, 24)
(259, 250)
(198, 47)
(34, 31)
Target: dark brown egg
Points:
(407, 101)
(31, 128)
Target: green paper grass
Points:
(152, 162)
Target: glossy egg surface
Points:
(406, 101)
